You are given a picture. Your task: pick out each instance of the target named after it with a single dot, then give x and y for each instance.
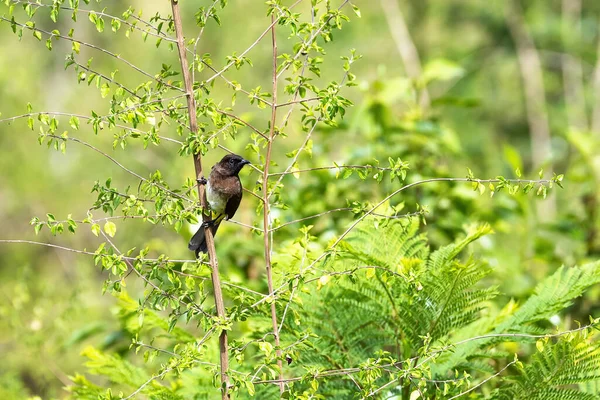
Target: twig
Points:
(154, 377)
(289, 103)
(483, 381)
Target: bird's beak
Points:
(246, 162)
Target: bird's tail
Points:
(198, 242)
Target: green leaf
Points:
(110, 228)
(74, 122)
(104, 90)
(250, 387)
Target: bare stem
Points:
(220, 305)
(266, 213)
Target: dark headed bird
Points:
(223, 193)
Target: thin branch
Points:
(143, 260)
(177, 195)
(483, 382)
(197, 41)
(153, 378)
(372, 211)
(249, 125)
(310, 40)
(262, 35)
(106, 78)
(160, 35)
(347, 371)
(98, 48)
(289, 103)
(295, 159)
(87, 118)
(266, 205)
(338, 167)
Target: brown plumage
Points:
(224, 194)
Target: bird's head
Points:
(231, 164)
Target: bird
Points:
(223, 193)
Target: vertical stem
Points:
(406, 46)
(191, 105)
(266, 214)
(535, 100)
(596, 97)
(572, 69)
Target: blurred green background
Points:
(477, 113)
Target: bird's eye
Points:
(232, 161)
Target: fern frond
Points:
(569, 361)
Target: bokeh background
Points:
(445, 85)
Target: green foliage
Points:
(388, 293)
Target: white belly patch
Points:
(216, 200)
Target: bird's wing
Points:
(232, 205)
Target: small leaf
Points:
(74, 122)
(110, 228)
(539, 345)
(250, 387)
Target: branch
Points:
(372, 212)
(191, 103)
(347, 371)
(266, 210)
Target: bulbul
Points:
(223, 193)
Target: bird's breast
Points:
(216, 199)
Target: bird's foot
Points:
(202, 181)
(208, 224)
